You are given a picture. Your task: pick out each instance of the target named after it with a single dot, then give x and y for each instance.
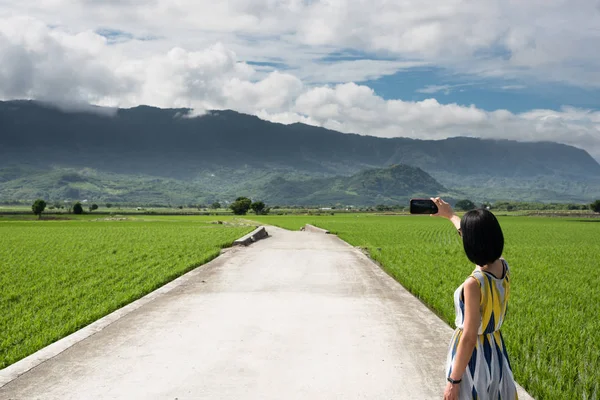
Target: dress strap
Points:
(506, 269)
(479, 275)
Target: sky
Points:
(427, 69)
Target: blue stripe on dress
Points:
(455, 345)
(487, 352)
(504, 351)
(499, 354)
(491, 326)
(489, 279)
(473, 362)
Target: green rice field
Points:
(59, 276)
(552, 328)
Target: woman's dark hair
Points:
(482, 236)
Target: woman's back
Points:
(495, 292)
(488, 374)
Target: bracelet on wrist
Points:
(454, 382)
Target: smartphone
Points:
(423, 206)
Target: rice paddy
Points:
(59, 276)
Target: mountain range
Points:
(153, 155)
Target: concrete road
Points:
(296, 316)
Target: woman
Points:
(478, 365)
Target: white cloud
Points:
(276, 91)
(53, 65)
(446, 89)
(513, 87)
(430, 89)
(550, 40)
(352, 70)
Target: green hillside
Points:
(147, 154)
(378, 186)
(395, 184)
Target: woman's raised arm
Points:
(445, 211)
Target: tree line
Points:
(39, 206)
(467, 205)
(242, 205)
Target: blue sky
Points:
(488, 94)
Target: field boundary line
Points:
(28, 363)
(315, 229)
(254, 236)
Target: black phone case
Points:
(423, 206)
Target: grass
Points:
(552, 327)
(59, 276)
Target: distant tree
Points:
(38, 207)
(93, 207)
(465, 205)
(77, 208)
(595, 206)
(241, 205)
(108, 205)
(215, 205)
(487, 205)
(258, 207)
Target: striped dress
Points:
(488, 374)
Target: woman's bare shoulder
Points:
(471, 282)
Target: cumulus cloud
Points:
(548, 40)
(353, 108)
(51, 65)
(55, 66)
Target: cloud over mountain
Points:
(296, 60)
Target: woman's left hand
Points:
(444, 209)
(451, 392)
